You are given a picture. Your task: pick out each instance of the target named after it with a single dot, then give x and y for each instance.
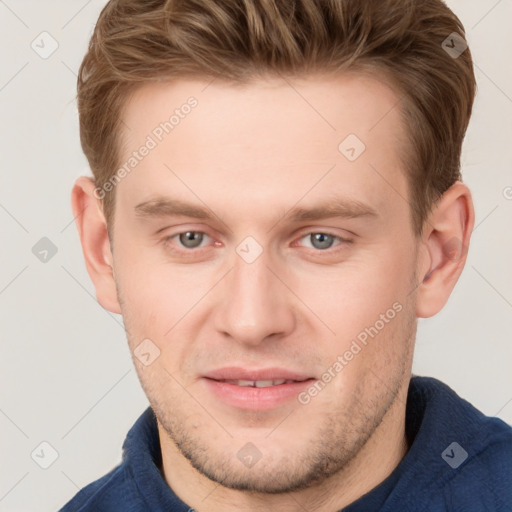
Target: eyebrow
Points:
(337, 207)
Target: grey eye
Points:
(321, 240)
(191, 239)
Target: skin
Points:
(250, 154)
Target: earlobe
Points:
(92, 230)
(445, 243)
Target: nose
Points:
(254, 303)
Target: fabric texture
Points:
(459, 461)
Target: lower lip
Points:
(253, 398)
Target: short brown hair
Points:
(141, 41)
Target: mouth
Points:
(245, 376)
(259, 383)
(255, 395)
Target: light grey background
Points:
(66, 375)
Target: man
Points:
(276, 200)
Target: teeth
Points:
(264, 383)
(258, 383)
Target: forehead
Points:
(330, 105)
(266, 140)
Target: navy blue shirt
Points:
(459, 461)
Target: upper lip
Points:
(238, 373)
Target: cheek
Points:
(145, 281)
(148, 294)
(163, 302)
(353, 295)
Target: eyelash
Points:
(342, 241)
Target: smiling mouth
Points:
(257, 395)
(258, 383)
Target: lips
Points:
(258, 383)
(255, 390)
(256, 378)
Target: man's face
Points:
(257, 286)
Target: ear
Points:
(92, 230)
(445, 244)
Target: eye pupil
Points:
(321, 240)
(191, 239)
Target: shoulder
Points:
(107, 494)
(471, 453)
(483, 481)
(132, 485)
